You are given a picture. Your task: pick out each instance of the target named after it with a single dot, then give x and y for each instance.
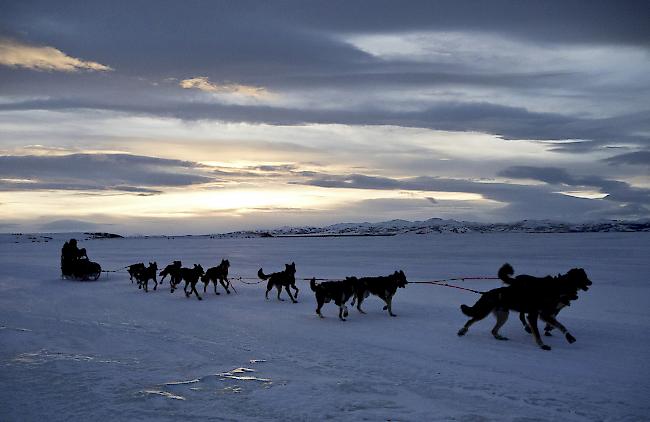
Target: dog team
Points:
(533, 297)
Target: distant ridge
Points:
(438, 225)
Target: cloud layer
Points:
(300, 111)
(80, 172)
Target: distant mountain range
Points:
(437, 225)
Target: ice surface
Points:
(107, 351)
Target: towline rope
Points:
(115, 271)
(259, 280)
(438, 283)
(442, 282)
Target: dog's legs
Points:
(194, 290)
(227, 285)
(319, 302)
(522, 318)
(548, 328)
(155, 281)
(502, 317)
(343, 310)
(224, 284)
(389, 306)
(555, 323)
(205, 286)
(185, 288)
(279, 287)
(289, 293)
(293, 286)
(359, 300)
(532, 321)
(215, 287)
(468, 324)
(269, 286)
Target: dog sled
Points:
(82, 270)
(75, 264)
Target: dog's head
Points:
(578, 278)
(400, 278)
(199, 269)
(177, 264)
(290, 268)
(153, 265)
(225, 263)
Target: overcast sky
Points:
(196, 117)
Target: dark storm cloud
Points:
(615, 190)
(521, 201)
(637, 158)
(507, 122)
(570, 21)
(120, 172)
(298, 45)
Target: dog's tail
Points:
(312, 284)
(505, 273)
(481, 308)
(261, 274)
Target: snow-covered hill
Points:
(437, 225)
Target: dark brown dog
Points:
(384, 287)
(536, 298)
(286, 279)
(174, 273)
(338, 291)
(191, 277)
(143, 276)
(218, 273)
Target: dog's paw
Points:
(385, 307)
(199, 298)
(528, 330)
(570, 338)
(217, 293)
(545, 347)
(548, 334)
(500, 337)
(462, 332)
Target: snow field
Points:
(106, 350)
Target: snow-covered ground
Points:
(108, 351)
